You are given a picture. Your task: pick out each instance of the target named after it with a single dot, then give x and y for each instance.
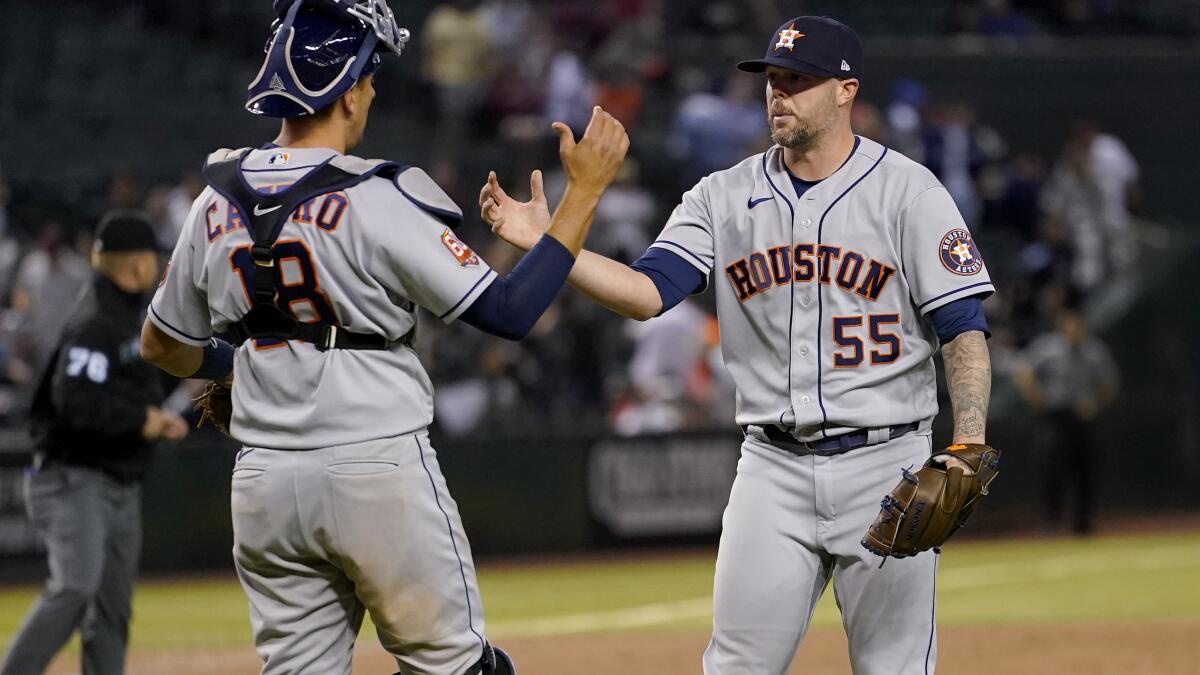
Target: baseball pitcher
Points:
(839, 267)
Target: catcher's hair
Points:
(321, 116)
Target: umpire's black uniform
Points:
(83, 491)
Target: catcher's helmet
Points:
(318, 50)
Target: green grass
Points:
(1041, 581)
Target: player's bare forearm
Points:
(572, 220)
(615, 286)
(169, 354)
(969, 380)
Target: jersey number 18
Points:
(298, 288)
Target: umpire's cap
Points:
(816, 45)
(318, 50)
(121, 231)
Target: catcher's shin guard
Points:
(493, 662)
(500, 663)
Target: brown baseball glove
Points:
(215, 404)
(930, 505)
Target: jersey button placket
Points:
(822, 474)
(804, 380)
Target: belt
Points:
(826, 447)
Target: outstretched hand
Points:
(592, 163)
(518, 223)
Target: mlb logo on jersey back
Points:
(958, 253)
(278, 159)
(463, 253)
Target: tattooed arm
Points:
(969, 379)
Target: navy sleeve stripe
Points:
(684, 249)
(959, 316)
(949, 293)
(168, 324)
(673, 276)
(463, 299)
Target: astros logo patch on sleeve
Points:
(959, 254)
(463, 253)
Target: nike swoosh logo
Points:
(260, 212)
(752, 202)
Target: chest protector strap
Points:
(264, 216)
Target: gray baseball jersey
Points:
(308, 544)
(821, 299)
(364, 259)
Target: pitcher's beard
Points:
(806, 133)
(797, 138)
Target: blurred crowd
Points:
(1057, 225)
(45, 265)
(1019, 19)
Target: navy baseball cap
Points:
(816, 45)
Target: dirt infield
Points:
(1164, 648)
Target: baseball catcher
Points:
(338, 504)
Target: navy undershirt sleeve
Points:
(674, 277)
(958, 317)
(510, 306)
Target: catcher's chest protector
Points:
(264, 220)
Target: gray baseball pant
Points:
(91, 525)
(321, 536)
(792, 525)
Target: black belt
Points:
(833, 445)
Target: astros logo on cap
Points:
(787, 37)
(958, 253)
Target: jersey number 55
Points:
(851, 349)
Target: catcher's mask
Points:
(318, 49)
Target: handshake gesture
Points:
(591, 165)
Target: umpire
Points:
(95, 420)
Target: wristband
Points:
(217, 363)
